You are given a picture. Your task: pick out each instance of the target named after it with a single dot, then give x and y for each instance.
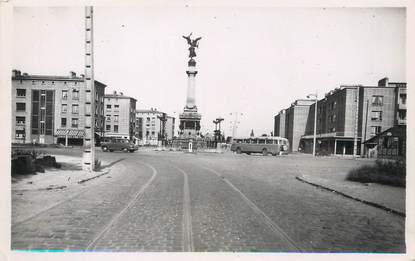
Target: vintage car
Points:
(118, 144)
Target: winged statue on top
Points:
(193, 43)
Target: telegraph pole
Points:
(235, 123)
(356, 122)
(88, 157)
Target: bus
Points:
(264, 145)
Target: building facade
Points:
(279, 124)
(151, 125)
(291, 122)
(119, 116)
(49, 109)
(350, 115)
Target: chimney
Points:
(383, 82)
(72, 74)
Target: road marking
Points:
(136, 197)
(268, 221)
(187, 216)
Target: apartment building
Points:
(151, 125)
(349, 116)
(279, 124)
(291, 122)
(49, 109)
(119, 115)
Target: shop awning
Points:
(71, 133)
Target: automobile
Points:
(118, 144)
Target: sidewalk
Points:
(389, 198)
(69, 174)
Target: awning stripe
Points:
(72, 133)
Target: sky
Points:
(251, 60)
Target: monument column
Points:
(191, 85)
(190, 119)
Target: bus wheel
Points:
(265, 152)
(238, 150)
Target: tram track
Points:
(277, 230)
(187, 217)
(115, 218)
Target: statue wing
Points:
(195, 41)
(187, 38)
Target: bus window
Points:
(254, 141)
(269, 141)
(261, 141)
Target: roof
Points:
(148, 111)
(29, 77)
(399, 130)
(119, 96)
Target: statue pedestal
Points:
(190, 123)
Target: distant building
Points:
(119, 115)
(149, 126)
(49, 109)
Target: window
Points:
(21, 92)
(116, 106)
(64, 95)
(376, 116)
(75, 94)
(63, 122)
(75, 108)
(20, 106)
(116, 118)
(402, 114)
(20, 120)
(108, 127)
(375, 130)
(64, 108)
(75, 122)
(261, 141)
(377, 100)
(108, 118)
(108, 106)
(402, 98)
(115, 128)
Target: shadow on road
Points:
(112, 163)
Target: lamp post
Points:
(315, 96)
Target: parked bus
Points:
(264, 145)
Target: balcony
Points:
(401, 106)
(401, 121)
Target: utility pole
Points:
(88, 157)
(219, 120)
(163, 119)
(235, 123)
(362, 146)
(356, 123)
(315, 121)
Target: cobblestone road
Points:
(165, 201)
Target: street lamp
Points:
(315, 96)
